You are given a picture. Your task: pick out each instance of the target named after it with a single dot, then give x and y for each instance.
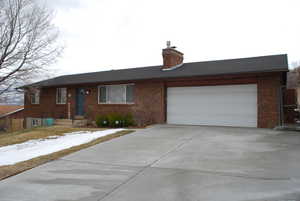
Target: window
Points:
(35, 123)
(129, 94)
(116, 94)
(35, 97)
(61, 96)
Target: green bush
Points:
(115, 120)
(128, 120)
(102, 121)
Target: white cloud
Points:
(108, 34)
(63, 4)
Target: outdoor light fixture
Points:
(87, 92)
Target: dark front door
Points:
(80, 101)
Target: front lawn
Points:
(50, 137)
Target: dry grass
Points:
(10, 170)
(38, 133)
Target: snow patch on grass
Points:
(12, 154)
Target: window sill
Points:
(117, 104)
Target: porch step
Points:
(80, 123)
(63, 122)
(79, 117)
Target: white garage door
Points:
(225, 105)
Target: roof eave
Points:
(161, 78)
(15, 111)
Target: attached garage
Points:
(222, 105)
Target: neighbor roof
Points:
(9, 109)
(273, 63)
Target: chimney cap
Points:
(169, 45)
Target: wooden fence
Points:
(11, 125)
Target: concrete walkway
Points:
(171, 163)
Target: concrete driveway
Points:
(171, 163)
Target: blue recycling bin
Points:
(49, 122)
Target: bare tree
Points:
(293, 76)
(28, 42)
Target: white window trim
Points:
(57, 96)
(108, 103)
(35, 95)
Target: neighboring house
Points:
(11, 117)
(244, 92)
(290, 106)
(293, 82)
(292, 96)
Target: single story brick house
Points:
(245, 92)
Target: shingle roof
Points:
(273, 63)
(9, 109)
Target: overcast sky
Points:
(113, 34)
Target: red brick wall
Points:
(268, 101)
(148, 104)
(150, 100)
(47, 106)
(147, 107)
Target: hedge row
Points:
(115, 120)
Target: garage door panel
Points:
(230, 105)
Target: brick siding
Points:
(150, 98)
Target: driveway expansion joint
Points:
(172, 150)
(144, 168)
(102, 163)
(123, 183)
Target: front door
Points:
(80, 101)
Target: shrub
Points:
(102, 121)
(128, 120)
(115, 120)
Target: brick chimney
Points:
(172, 58)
